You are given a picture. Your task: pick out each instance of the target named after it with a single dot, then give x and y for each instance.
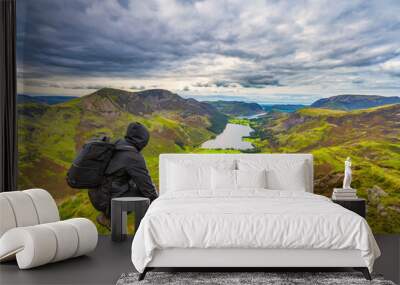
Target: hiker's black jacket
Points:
(127, 169)
(127, 174)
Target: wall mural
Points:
(214, 76)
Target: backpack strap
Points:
(125, 147)
(118, 147)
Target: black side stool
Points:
(119, 208)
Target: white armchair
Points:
(31, 230)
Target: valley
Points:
(51, 134)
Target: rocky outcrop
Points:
(381, 210)
(294, 119)
(101, 104)
(324, 183)
(374, 195)
(395, 208)
(374, 200)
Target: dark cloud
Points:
(245, 81)
(88, 87)
(40, 83)
(270, 43)
(35, 83)
(202, 85)
(124, 3)
(223, 83)
(219, 97)
(21, 74)
(134, 87)
(258, 81)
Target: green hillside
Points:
(371, 137)
(354, 102)
(235, 108)
(50, 136)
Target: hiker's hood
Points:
(137, 135)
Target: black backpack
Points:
(89, 168)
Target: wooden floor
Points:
(110, 260)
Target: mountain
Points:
(354, 102)
(51, 135)
(285, 108)
(50, 100)
(237, 108)
(371, 137)
(22, 98)
(153, 101)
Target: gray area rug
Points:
(228, 278)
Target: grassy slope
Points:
(47, 149)
(370, 137)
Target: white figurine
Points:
(347, 174)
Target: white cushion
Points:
(186, 178)
(45, 205)
(226, 180)
(67, 240)
(251, 179)
(290, 175)
(7, 220)
(193, 175)
(87, 234)
(26, 208)
(23, 208)
(32, 246)
(40, 244)
(223, 179)
(264, 160)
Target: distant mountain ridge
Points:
(50, 100)
(354, 102)
(152, 101)
(285, 108)
(237, 108)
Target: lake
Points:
(251, 117)
(231, 137)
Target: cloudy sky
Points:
(264, 51)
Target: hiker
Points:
(126, 174)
